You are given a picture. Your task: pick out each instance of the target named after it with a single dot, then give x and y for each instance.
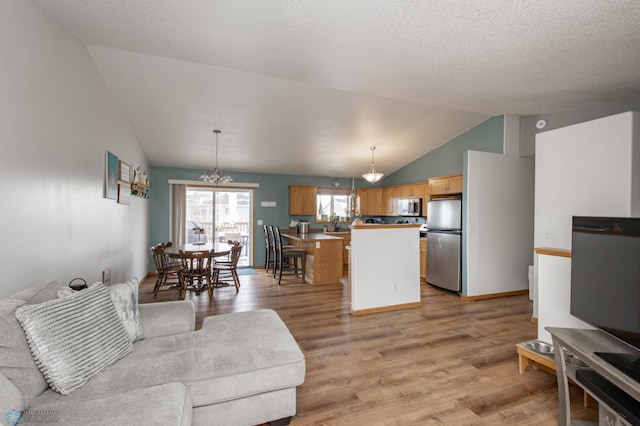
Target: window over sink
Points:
(333, 205)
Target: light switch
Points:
(259, 222)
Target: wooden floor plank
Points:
(447, 362)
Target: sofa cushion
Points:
(125, 300)
(11, 401)
(232, 356)
(16, 361)
(168, 404)
(75, 337)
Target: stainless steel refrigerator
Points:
(444, 243)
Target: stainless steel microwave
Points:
(410, 206)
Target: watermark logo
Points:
(13, 417)
(31, 416)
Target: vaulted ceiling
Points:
(305, 87)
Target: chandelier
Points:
(372, 176)
(216, 176)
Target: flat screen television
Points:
(605, 281)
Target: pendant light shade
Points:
(372, 176)
(216, 176)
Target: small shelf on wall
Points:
(139, 190)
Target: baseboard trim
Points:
(147, 277)
(493, 295)
(386, 308)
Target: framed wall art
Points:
(111, 176)
(123, 172)
(124, 193)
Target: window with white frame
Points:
(333, 205)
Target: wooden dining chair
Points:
(172, 260)
(286, 259)
(223, 270)
(195, 274)
(167, 273)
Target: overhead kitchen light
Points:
(216, 176)
(372, 176)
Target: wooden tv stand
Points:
(584, 344)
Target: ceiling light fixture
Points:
(216, 176)
(372, 176)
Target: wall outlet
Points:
(106, 276)
(394, 286)
(260, 222)
(550, 234)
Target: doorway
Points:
(224, 214)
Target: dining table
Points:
(219, 250)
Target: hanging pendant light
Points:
(216, 176)
(372, 176)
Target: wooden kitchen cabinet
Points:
(345, 253)
(390, 200)
(370, 201)
(426, 196)
(302, 200)
(423, 259)
(445, 185)
(413, 190)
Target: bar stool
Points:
(286, 258)
(268, 246)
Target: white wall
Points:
(584, 169)
(555, 273)
(379, 258)
(499, 226)
(57, 118)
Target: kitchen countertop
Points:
(385, 225)
(311, 236)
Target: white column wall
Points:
(499, 227)
(582, 170)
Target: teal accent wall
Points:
(448, 159)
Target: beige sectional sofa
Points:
(238, 369)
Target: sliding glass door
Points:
(223, 214)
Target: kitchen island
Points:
(385, 267)
(323, 256)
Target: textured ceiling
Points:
(305, 87)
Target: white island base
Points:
(384, 267)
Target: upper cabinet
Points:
(445, 185)
(302, 200)
(390, 198)
(413, 190)
(370, 201)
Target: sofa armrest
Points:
(167, 318)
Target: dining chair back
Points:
(196, 272)
(268, 247)
(167, 273)
(222, 271)
(286, 258)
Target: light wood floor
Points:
(448, 362)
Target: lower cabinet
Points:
(345, 252)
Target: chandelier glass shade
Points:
(372, 176)
(216, 176)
